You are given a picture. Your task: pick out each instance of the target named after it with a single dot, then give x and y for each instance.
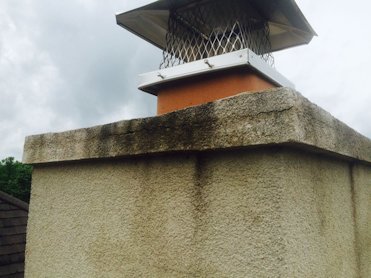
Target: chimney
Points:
(214, 49)
(261, 184)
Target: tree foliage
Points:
(15, 178)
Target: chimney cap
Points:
(287, 25)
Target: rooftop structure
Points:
(199, 38)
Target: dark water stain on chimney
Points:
(200, 181)
(189, 129)
(104, 135)
(201, 186)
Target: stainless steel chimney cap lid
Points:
(287, 24)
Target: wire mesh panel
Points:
(209, 28)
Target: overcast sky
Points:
(66, 64)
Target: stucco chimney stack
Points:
(263, 184)
(214, 49)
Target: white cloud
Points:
(64, 65)
(27, 76)
(333, 70)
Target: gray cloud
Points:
(66, 64)
(333, 70)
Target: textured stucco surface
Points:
(264, 212)
(277, 116)
(256, 185)
(361, 176)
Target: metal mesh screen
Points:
(210, 28)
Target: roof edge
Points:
(14, 201)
